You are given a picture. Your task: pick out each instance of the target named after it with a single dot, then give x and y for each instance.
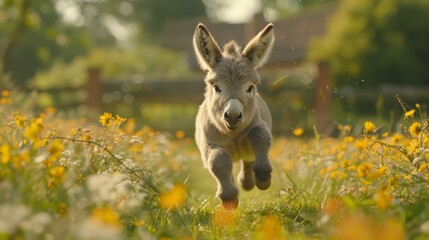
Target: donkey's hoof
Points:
(247, 186)
(263, 185)
(230, 204)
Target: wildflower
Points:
(56, 148)
(422, 167)
(33, 131)
(362, 143)
(364, 169)
(57, 172)
(348, 139)
(270, 228)
(382, 199)
(338, 175)
(345, 128)
(224, 217)
(418, 105)
(5, 97)
(332, 206)
(410, 113)
(415, 129)
(119, 119)
(106, 119)
(173, 198)
(19, 121)
(378, 172)
(369, 127)
(138, 223)
(298, 132)
(180, 134)
(106, 216)
(396, 138)
(5, 154)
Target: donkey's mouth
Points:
(232, 127)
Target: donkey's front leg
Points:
(260, 140)
(220, 165)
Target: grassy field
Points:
(75, 179)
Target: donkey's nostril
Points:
(240, 116)
(226, 116)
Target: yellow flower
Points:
(106, 119)
(298, 132)
(369, 127)
(106, 216)
(5, 154)
(364, 169)
(396, 138)
(378, 173)
(32, 131)
(348, 139)
(382, 199)
(362, 143)
(5, 97)
(415, 128)
(56, 148)
(345, 128)
(422, 167)
(138, 223)
(19, 121)
(338, 175)
(270, 228)
(119, 119)
(180, 134)
(224, 217)
(173, 198)
(5, 93)
(410, 113)
(418, 105)
(57, 172)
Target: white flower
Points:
(11, 215)
(90, 229)
(37, 223)
(103, 187)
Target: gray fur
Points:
(234, 123)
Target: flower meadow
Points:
(73, 178)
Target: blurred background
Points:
(335, 62)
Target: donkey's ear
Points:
(259, 48)
(205, 47)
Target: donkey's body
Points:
(234, 123)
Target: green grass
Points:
(76, 179)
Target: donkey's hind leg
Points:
(220, 165)
(246, 176)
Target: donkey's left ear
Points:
(259, 48)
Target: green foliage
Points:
(115, 64)
(36, 34)
(378, 41)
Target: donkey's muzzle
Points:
(233, 114)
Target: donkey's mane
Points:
(231, 50)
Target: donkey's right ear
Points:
(205, 47)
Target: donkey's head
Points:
(231, 76)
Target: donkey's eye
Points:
(250, 89)
(217, 88)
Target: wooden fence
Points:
(318, 99)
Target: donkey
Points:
(233, 123)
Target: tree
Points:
(36, 33)
(377, 41)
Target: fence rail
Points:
(318, 99)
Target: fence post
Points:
(93, 89)
(323, 99)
